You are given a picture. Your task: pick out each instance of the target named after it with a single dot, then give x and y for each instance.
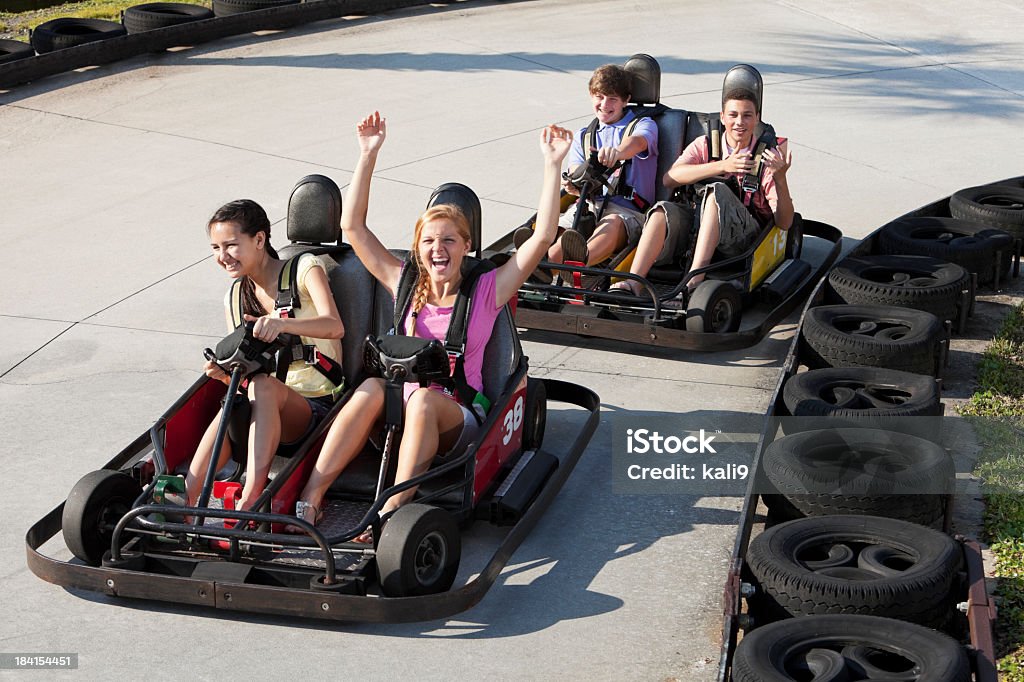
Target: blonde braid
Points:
(419, 299)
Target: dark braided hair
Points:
(252, 219)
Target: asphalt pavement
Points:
(109, 293)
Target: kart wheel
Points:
(848, 648)
(715, 306)
(153, 15)
(859, 471)
(871, 336)
(917, 282)
(795, 239)
(418, 552)
(1000, 206)
(970, 245)
(58, 34)
(536, 417)
(862, 565)
(94, 506)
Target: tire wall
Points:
(192, 33)
(781, 597)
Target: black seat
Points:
(314, 226)
(502, 358)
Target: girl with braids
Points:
(281, 412)
(434, 421)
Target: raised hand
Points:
(778, 160)
(371, 132)
(555, 142)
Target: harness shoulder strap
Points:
(455, 339)
(589, 136)
(714, 140)
(236, 302)
(287, 286)
(403, 297)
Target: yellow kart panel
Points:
(767, 256)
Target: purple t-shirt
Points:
(643, 169)
(432, 323)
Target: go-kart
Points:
(131, 536)
(741, 298)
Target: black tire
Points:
(153, 15)
(418, 552)
(795, 238)
(848, 648)
(873, 397)
(862, 565)
(12, 50)
(917, 282)
(859, 471)
(58, 34)
(716, 306)
(95, 504)
(871, 336)
(972, 246)
(535, 415)
(223, 8)
(999, 206)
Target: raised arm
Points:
(371, 132)
(554, 144)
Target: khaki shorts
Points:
(737, 228)
(634, 220)
(679, 221)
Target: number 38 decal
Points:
(513, 420)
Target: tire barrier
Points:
(190, 33)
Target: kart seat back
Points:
(314, 226)
(314, 211)
(646, 97)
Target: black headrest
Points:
(466, 199)
(646, 74)
(743, 77)
(314, 211)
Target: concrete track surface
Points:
(109, 292)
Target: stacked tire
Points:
(852, 577)
(60, 34)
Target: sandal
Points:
(629, 286)
(574, 247)
(308, 512)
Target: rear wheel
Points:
(93, 508)
(418, 552)
(716, 306)
(536, 417)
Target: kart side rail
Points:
(651, 333)
(228, 591)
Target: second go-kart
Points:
(131, 537)
(741, 298)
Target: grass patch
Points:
(15, 25)
(997, 413)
